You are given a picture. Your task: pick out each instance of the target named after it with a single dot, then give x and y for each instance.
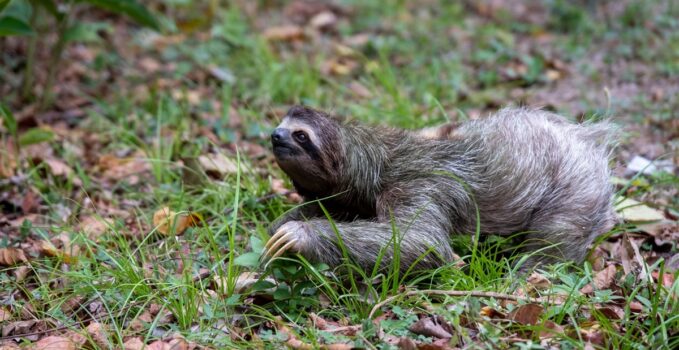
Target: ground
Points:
(137, 184)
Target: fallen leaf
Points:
(360, 90)
(539, 281)
(636, 306)
(613, 312)
(99, 335)
(491, 313)
(178, 344)
(8, 345)
(58, 167)
(633, 211)
(432, 327)
(69, 255)
(602, 280)
(129, 169)
(278, 187)
(8, 162)
(165, 220)
(550, 329)
(667, 279)
(21, 273)
(134, 344)
(159, 345)
(217, 165)
(318, 321)
(284, 33)
(631, 258)
(11, 256)
(527, 314)
(405, 343)
(54, 343)
(94, 227)
(5, 314)
(323, 20)
(30, 202)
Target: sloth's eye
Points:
(300, 136)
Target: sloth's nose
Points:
(279, 135)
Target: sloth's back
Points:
(536, 169)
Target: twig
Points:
(459, 293)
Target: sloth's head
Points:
(308, 148)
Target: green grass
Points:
(417, 76)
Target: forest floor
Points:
(134, 202)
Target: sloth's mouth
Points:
(282, 150)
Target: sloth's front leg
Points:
(364, 242)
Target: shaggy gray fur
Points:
(526, 170)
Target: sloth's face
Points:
(305, 147)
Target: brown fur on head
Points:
(307, 147)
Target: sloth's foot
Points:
(291, 237)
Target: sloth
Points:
(372, 192)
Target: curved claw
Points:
(275, 242)
(283, 249)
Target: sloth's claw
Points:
(285, 239)
(284, 248)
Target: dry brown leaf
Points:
(30, 202)
(21, 273)
(489, 312)
(550, 330)
(432, 327)
(98, 334)
(8, 163)
(54, 343)
(284, 33)
(134, 344)
(165, 220)
(591, 332)
(539, 281)
(94, 227)
(178, 344)
(339, 346)
(58, 167)
(323, 20)
(667, 279)
(159, 345)
(8, 345)
(12, 256)
(46, 248)
(631, 258)
(612, 312)
(405, 343)
(527, 314)
(5, 314)
(318, 321)
(217, 165)
(68, 256)
(278, 187)
(636, 306)
(438, 344)
(129, 169)
(359, 89)
(602, 280)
